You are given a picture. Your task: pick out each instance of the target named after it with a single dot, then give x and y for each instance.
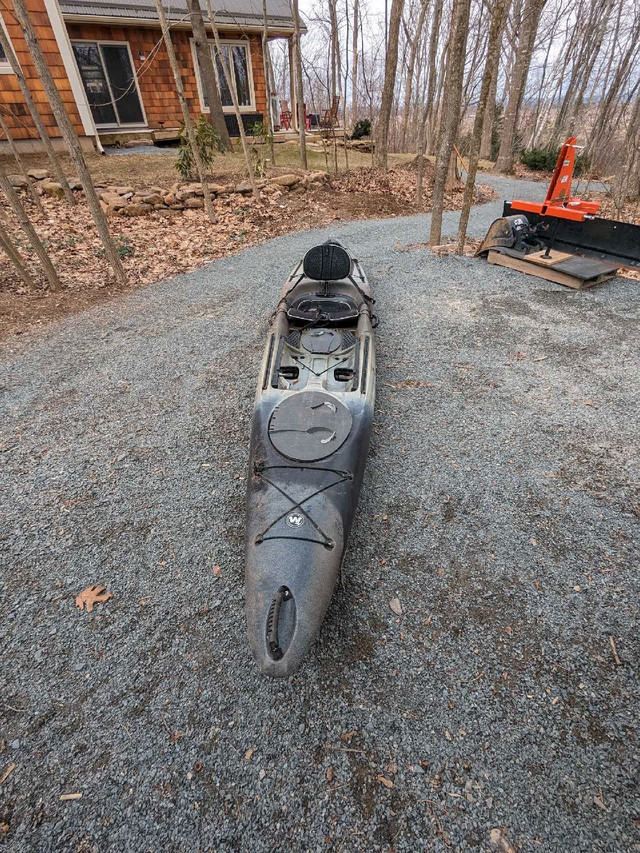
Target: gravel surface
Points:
(498, 507)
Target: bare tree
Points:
(450, 112)
(297, 59)
(266, 58)
(354, 70)
(391, 64)
(208, 74)
(36, 117)
(411, 63)
(29, 230)
(234, 100)
(13, 254)
(186, 117)
(69, 134)
(524, 51)
(23, 171)
(498, 15)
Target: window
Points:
(109, 81)
(238, 61)
(5, 68)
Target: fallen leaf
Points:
(248, 754)
(498, 839)
(534, 542)
(94, 594)
(216, 570)
(348, 735)
(386, 782)
(75, 796)
(395, 605)
(329, 774)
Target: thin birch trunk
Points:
(299, 88)
(498, 15)
(186, 117)
(14, 256)
(452, 99)
(71, 139)
(23, 171)
(29, 230)
(37, 119)
(234, 99)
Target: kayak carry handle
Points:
(283, 594)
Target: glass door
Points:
(109, 81)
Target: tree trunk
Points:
(13, 254)
(234, 98)
(75, 151)
(29, 230)
(208, 73)
(266, 58)
(408, 89)
(299, 87)
(529, 28)
(186, 117)
(391, 63)
(37, 119)
(452, 99)
(434, 38)
(354, 72)
(489, 116)
(498, 16)
(23, 171)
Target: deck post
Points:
(292, 86)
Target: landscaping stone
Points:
(38, 174)
(194, 203)
(285, 180)
(153, 198)
(170, 198)
(125, 191)
(52, 188)
(138, 209)
(18, 181)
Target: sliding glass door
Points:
(110, 83)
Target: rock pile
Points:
(127, 201)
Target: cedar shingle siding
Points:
(157, 87)
(12, 103)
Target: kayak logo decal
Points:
(295, 519)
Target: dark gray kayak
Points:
(309, 443)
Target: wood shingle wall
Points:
(12, 103)
(157, 87)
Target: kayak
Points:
(309, 442)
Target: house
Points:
(110, 64)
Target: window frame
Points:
(5, 65)
(112, 126)
(246, 44)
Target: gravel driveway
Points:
(499, 712)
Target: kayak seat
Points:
(335, 310)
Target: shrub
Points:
(208, 141)
(544, 160)
(362, 128)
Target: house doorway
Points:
(110, 82)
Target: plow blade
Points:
(604, 239)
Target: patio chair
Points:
(330, 116)
(285, 115)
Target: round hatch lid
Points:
(308, 426)
(321, 341)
